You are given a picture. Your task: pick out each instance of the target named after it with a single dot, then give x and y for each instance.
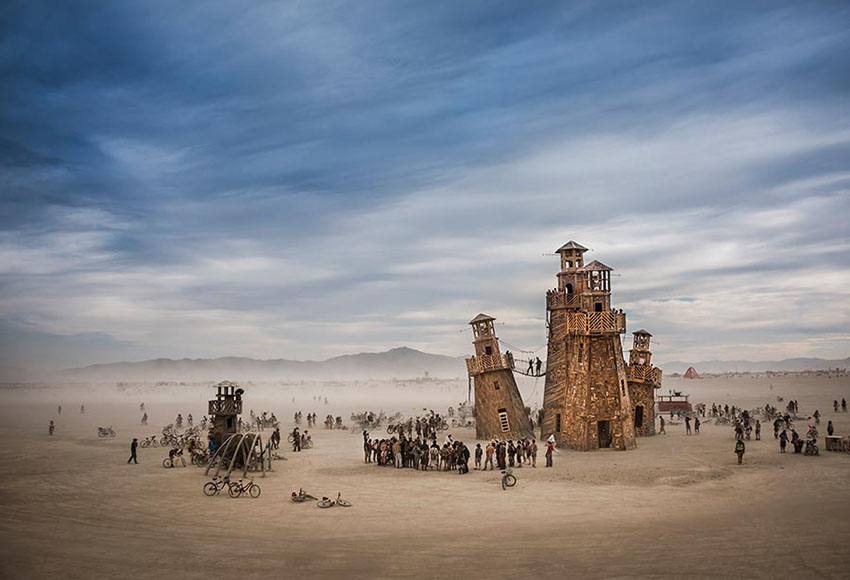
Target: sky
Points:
(308, 179)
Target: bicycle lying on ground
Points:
(238, 488)
(302, 496)
(326, 502)
(508, 479)
(217, 484)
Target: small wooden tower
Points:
(586, 401)
(224, 411)
(499, 410)
(644, 379)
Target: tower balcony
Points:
(557, 299)
(596, 322)
(643, 374)
(226, 406)
(475, 365)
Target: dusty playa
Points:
(676, 507)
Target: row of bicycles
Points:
(234, 488)
(324, 503)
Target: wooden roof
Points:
(571, 245)
(642, 331)
(481, 318)
(596, 266)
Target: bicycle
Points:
(169, 462)
(214, 486)
(302, 496)
(237, 489)
(149, 442)
(327, 502)
(508, 479)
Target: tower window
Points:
(580, 351)
(495, 385)
(488, 350)
(558, 423)
(503, 420)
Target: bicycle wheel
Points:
(254, 491)
(510, 480)
(234, 490)
(343, 503)
(325, 503)
(210, 489)
(154, 443)
(166, 463)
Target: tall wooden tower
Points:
(643, 379)
(224, 411)
(586, 401)
(499, 410)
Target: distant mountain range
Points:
(401, 363)
(743, 366)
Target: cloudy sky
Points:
(307, 179)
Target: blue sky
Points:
(307, 179)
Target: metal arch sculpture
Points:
(240, 450)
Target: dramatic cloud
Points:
(305, 179)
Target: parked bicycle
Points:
(508, 479)
(302, 496)
(173, 460)
(327, 502)
(214, 486)
(149, 442)
(105, 431)
(238, 488)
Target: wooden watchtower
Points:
(643, 380)
(499, 410)
(224, 411)
(586, 401)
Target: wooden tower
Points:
(586, 401)
(499, 410)
(643, 379)
(224, 411)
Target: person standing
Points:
(550, 449)
(82, 409)
(296, 440)
(133, 447)
(478, 453)
(59, 410)
(829, 428)
(696, 425)
(490, 451)
(783, 441)
(539, 364)
(532, 451)
(687, 425)
(740, 449)
(52, 426)
(758, 430)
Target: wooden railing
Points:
(643, 374)
(488, 362)
(225, 407)
(596, 322)
(556, 299)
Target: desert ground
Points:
(678, 506)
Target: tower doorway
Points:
(604, 432)
(597, 307)
(639, 416)
(569, 288)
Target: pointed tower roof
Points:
(596, 266)
(571, 245)
(481, 318)
(642, 331)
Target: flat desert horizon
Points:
(677, 505)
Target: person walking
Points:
(696, 425)
(59, 410)
(539, 364)
(740, 449)
(133, 447)
(758, 430)
(783, 441)
(550, 449)
(687, 425)
(52, 426)
(661, 430)
(530, 366)
(478, 454)
(296, 440)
